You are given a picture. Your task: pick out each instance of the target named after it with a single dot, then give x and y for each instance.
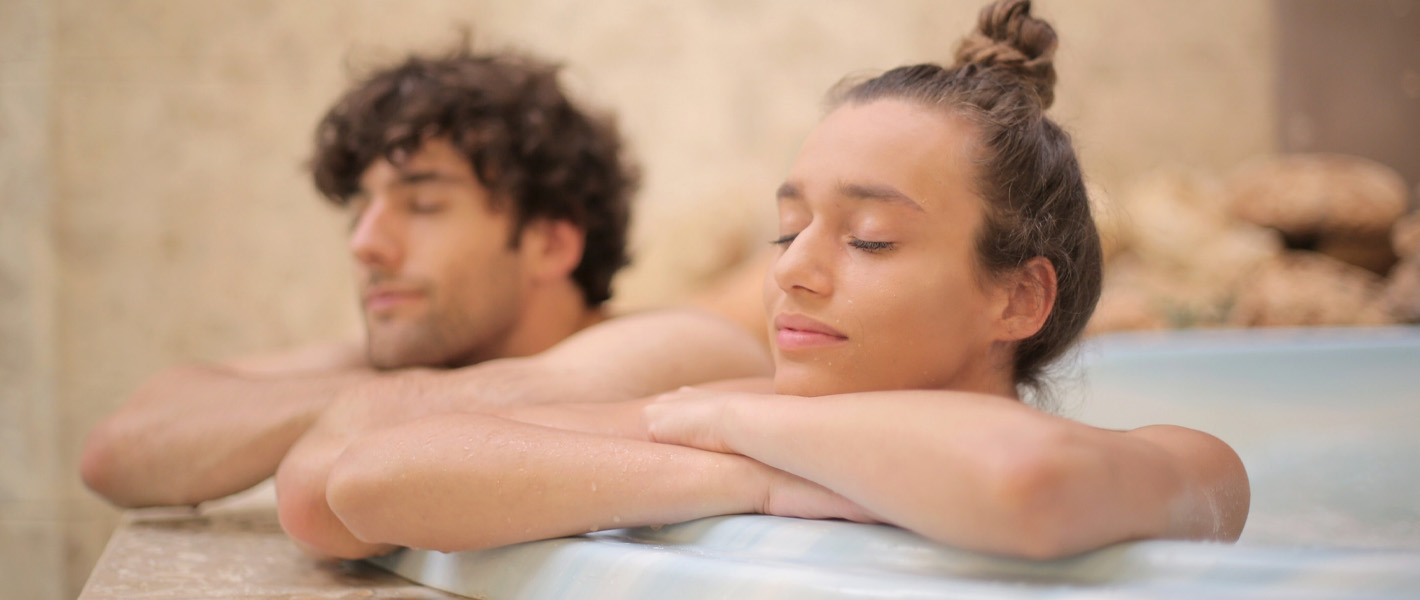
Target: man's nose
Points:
(375, 240)
(803, 267)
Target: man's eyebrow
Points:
(788, 190)
(413, 177)
(884, 193)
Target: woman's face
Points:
(875, 286)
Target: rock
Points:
(1310, 289)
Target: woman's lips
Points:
(794, 332)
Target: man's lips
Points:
(381, 299)
(797, 331)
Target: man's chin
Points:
(391, 363)
(387, 354)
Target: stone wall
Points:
(154, 208)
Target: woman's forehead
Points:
(887, 151)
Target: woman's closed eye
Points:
(864, 245)
(871, 246)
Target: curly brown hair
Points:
(525, 139)
(1002, 80)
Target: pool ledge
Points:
(755, 556)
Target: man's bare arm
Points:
(197, 433)
(469, 482)
(621, 359)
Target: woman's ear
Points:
(1030, 296)
(551, 249)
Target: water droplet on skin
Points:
(615, 519)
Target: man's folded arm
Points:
(196, 433)
(625, 358)
(618, 360)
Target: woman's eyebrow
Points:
(858, 191)
(885, 193)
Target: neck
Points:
(992, 375)
(551, 314)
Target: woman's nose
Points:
(803, 266)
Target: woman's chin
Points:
(811, 380)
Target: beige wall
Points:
(153, 208)
(32, 545)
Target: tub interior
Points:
(1327, 422)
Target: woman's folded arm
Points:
(977, 471)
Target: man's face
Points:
(439, 283)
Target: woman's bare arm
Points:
(978, 472)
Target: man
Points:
(488, 214)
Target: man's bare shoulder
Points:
(748, 385)
(685, 325)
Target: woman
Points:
(936, 252)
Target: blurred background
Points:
(154, 207)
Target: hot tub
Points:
(1327, 422)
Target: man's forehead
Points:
(433, 160)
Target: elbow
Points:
(104, 466)
(372, 496)
(1029, 496)
(357, 496)
(97, 464)
(1034, 525)
(304, 514)
(298, 510)
(385, 493)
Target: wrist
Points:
(752, 483)
(728, 418)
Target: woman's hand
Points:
(788, 495)
(699, 418)
(690, 417)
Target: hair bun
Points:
(1007, 35)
